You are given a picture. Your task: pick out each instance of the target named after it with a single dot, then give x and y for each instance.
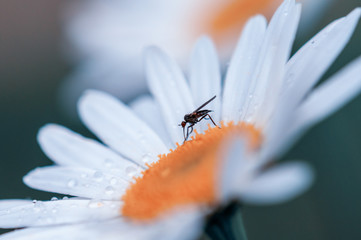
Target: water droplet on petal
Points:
(113, 181)
(108, 163)
(131, 171)
(38, 205)
(109, 190)
(98, 175)
(72, 183)
(54, 199)
(147, 158)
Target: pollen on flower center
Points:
(186, 175)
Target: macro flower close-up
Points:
(182, 162)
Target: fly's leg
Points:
(184, 134)
(189, 132)
(209, 116)
(212, 120)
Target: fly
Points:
(195, 117)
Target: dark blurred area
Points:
(32, 66)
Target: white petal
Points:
(69, 232)
(149, 111)
(179, 225)
(241, 68)
(113, 229)
(205, 78)
(266, 82)
(182, 223)
(68, 148)
(329, 97)
(304, 70)
(58, 212)
(39, 233)
(169, 87)
(9, 203)
(117, 126)
(237, 168)
(279, 184)
(322, 102)
(80, 182)
(307, 66)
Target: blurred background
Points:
(34, 62)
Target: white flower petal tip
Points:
(38, 213)
(118, 126)
(169, 87)
(287, 4)
(205, 45)
(343, 87)
(303, 71)
(205, 77)
(279, 184)
(356, 13)
(309, 63)
(204, 40)
(242, 67)
(267, 79)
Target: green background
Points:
(32, 67)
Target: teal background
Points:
(32, 66)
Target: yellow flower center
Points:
(186, 175)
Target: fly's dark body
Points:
(195, 117)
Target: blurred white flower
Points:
(267, 101)
(109, 36)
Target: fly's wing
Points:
(204, 104)
(200, 113)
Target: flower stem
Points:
(226, 224)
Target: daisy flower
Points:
(108, 37)
(134, 187)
